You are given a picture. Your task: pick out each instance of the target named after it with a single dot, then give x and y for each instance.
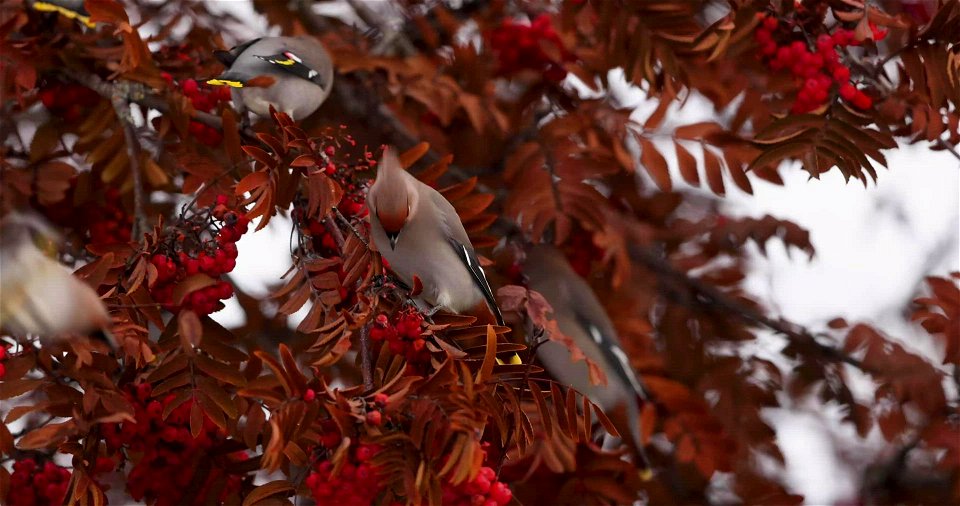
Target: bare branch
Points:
(711, 294)
(366, 363)
(121, 105)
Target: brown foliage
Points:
(523, 158)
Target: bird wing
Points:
(228, 57)
(292, 63)
(472, 263)
(609, 346)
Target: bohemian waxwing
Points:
(40, 296)
(300, 67)
(581, 317)
(419, 234)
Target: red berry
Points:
(309, 395)
(841, 74)
(190, 87)
(374, 418)
(380, 399)
(848, 91)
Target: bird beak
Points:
(393, 236)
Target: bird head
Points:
(392, 196)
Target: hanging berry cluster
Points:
(101, 221)
(68, 101)
(404, 336)
(33, 484)
(164, 453)
(4, 354)
(203, 98)
(483, 490)
(521, 47)
(194, 253)
(817, 71)
(358, 482)
(353, 177)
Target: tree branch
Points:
(366, 364)
(711, 294)
(121, 105)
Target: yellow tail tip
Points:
(645, 474)
(513, 360)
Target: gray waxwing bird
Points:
(38, 295)
(300, 67)
(581, 317)
(419, 234)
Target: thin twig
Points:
(948, 147)
(142, 97)
(121, 105)
(709, 293)
(366, 365)
(334, 230)
(343, 219)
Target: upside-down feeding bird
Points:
(300, 67)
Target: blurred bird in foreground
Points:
(38, 295)
(420, 234)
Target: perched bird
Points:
(40, 296)
(300, 67)
(419, 234)
(581, 318)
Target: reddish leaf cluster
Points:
(431, 406)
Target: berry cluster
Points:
(102, 221)
(164, 452)
(519, 46)
(34, 485)
(3, 358)
(68, 101)
(348, 174)
(357, 483)
(403, 335)
(204, 98)
(375, 409)
(484, 490)
(192, 253)
(815, 71)
(109, 223)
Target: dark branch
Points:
(713, 295)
